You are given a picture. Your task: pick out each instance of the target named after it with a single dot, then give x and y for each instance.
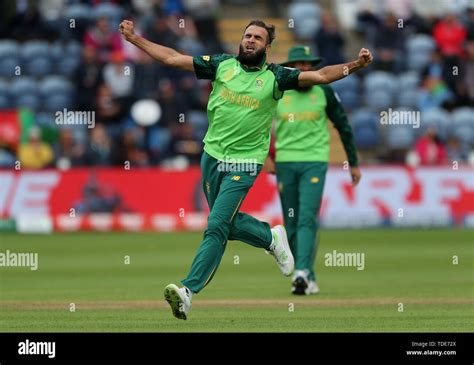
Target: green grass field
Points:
(412, 267)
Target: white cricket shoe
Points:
(179, 300)
(280, 249)
(300, 282)
(312, 288)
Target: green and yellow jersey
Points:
(241, 105)
(302, 133)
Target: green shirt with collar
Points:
(241, 105)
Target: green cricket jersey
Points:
(241, 105)
(302, 133)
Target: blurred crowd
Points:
(73, 57)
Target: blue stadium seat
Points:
(23, 85)
(68, 66)
(465, 134)
(418, 60)
(39, 67)
(364, 118)
(4, 88)
(350, 99)
(8, 66)
(159, 139)
(408, 98)
(350, 82)
(30, 101)
(420, 43)
(463, 116)
(78, 11)
(436, 118)
(5, 102)
(366, 138)
(380, 80)
(33, 49)
(307, 18)
(73, 49)
(408, 81)
(8, 48)
(111, 11)
(380, 100)
(400, 137)
(55, 85)
(57, 102)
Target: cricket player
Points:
(302, 154)
(241, 106)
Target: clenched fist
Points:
(365, 57)
(126, 29)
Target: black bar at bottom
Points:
(324, 348)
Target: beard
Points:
(251, 59)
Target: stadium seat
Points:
(23, 85)
(8, 48)
(39, 67)
(34, 49)
(159, 139)
(306, 16)
(408, 98)
(464, 133)
(463, 117)
(351, 83)
(408, 81)
(350, 99)
(418, 60)
(366, 138)
(400, 137)
(420, 43)
(437, 118)
(78, 11)
(67, 66)
(364, 118)
(380, 81)
(5, 102)
(57, 102)
(111, 11)
(73, 49)
(30, 101)
(8, 66)
(380, 100)
(55, 85)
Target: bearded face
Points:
(250, 56)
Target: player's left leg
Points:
(313, 175)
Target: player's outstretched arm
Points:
(166, 56)
(329, 74)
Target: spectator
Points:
(147, 75)
(118, 75)
(466, 79)
(103, 40)
(429, 148)
(108, 110)
(456, 151)
(100, 148)
(329, 41)
(68, 152)
(35, 154)
(88, 78)
(160, 32)
(389, 44)
(450, 35)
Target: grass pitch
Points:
(113, 282)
